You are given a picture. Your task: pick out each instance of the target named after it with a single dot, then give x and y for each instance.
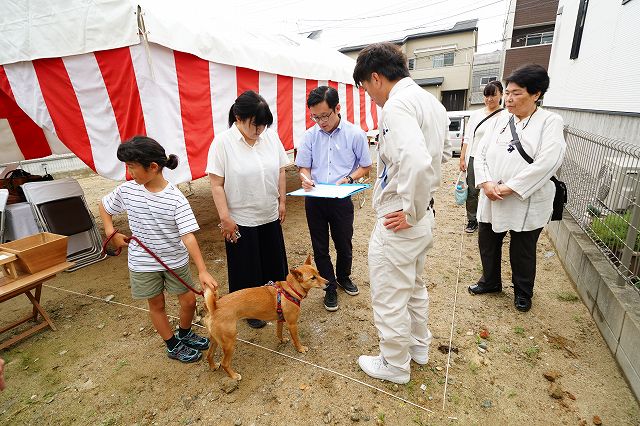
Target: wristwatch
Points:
(349, 178)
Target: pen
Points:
(307, 179)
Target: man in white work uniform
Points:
(413, 132)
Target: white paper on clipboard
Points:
(331, 191)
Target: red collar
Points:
(279, 293)
(296, 292)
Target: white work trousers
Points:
(399, 296)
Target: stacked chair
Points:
(60, 208)
(4, 196)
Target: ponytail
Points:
(172, 162)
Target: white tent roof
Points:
(43, 29)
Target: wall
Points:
(484, 65)
(353, 55)
(535, 12)
(605, 75)
(616, 126)
(615, 309)
(526, 55)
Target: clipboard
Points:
(324, 190)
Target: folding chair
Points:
(60, 207)
(4, 196)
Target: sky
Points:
(355, 22)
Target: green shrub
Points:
(612, 230)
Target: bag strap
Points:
(518, 145)
(515, 140)
(485, 119)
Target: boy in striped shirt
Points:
(161, 218)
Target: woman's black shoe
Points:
(522, 303)
(481, 289)
(256, 323)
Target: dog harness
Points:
(279, 292)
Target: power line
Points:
(454, 15)
(361, 18)
(531, 4)
(429, 24)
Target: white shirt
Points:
(531, 204)
(413, 131)
(472, 141)
(158, 219)
(251, 174)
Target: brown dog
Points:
(259, 303)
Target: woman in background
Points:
(479, 121)
(246, 166)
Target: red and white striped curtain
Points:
(95, 101)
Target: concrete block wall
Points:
(615, 309)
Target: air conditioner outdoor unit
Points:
(616, 183)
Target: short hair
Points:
(532, 77)
(144, 151)
(492, 87)
(383, 58)
(250, 105)
(321, 94)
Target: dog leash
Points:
(155, 256)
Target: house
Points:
(486, 68)
(440, 61)
(529, 33)
(595, 82)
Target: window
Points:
(443, 60)
(539, 38)
(486, 80)
(577, 35)
(455, 125)
(412, 64)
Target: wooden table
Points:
(23, 285)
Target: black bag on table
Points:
(17, 177)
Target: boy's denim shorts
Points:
(145, 285)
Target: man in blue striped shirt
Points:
(334, 151)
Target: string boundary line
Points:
(453, 321)
(344, 376)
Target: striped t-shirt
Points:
(158, 219)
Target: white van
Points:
(458, 122)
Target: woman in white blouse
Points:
(246, 166)
(479, 121)
(517, 196)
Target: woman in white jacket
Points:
(479, 122)
(517, 196)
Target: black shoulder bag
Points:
(560, 199)
(485, 119)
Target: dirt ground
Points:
(106, 365)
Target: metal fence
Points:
(603, 180)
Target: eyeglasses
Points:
(321, 118)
